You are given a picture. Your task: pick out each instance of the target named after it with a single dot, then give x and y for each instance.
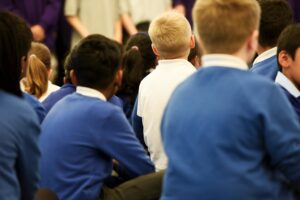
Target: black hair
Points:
(137, 62)
(15, 42)
(275, 16)
(96, 61)
(289, 41)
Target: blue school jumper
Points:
(80, 137)
(36, 105)
(19, 152)
(227, 134)
(267, 68)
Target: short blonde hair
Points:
(171, 33)
(224, 25)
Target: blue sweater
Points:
(228, 134)
(294, 101)
(67, 89)
(36, 105)
(80, 137)
(54, 97)
(19, 153)
(267, 68)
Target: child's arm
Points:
(77, 25)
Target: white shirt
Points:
(154, 93)
(223, 60)
(51, 88)
(282, 80)
(90, 92)
(265, 55)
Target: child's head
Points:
(275, 16)
(171, 36)
(96, 62)
(137, 62)
(224, 26)
(38, 70)
(68, 65)
(288, 53)
(15, 42)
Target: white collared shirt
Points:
(283, 81)
(90, 92)
(265, 55)
(223, 60)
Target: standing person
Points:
(221, 142)
(185, 7)
(19, 124)
(172, 39)
(83, 133)
(94, 16)
(42, 16)
(295, 4)
(275, 16)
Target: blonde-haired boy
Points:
(227, 132)
(172, 40)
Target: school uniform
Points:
(290, 90)
(36, 105)
(266, 64)
(19, 152)
(80, 136)
(228, 134)
(154, 93)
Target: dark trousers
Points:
(146, 187)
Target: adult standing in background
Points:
(185, 7)
(94, 16)
(41, 15)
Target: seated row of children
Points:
(220, 132)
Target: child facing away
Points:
(228, 133)
(38, 71)
(172, 39)
(288, 55)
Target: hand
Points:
(38, 33)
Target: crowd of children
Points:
(171, 115)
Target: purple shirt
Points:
(188, 4)
(41, 12)
(295, 4)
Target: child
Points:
(83, 133)
(288, 55)
(275, 16)
(19, 124)
(138, 61)
(38, 72)
(172, 39)
(227, 132)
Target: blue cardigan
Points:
(19, 153)
(230, 134)
(80, 137)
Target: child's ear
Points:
(24, 63)
(192, 42)
(284, 59)
(253, 42)
(119, 77)
(73, 77)
(155, 51)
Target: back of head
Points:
(15, 42)
(170, 34)
(137, 61)
(39, 63)
(96, 61)
(224, 25)
(275, 16)
(289, 41)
